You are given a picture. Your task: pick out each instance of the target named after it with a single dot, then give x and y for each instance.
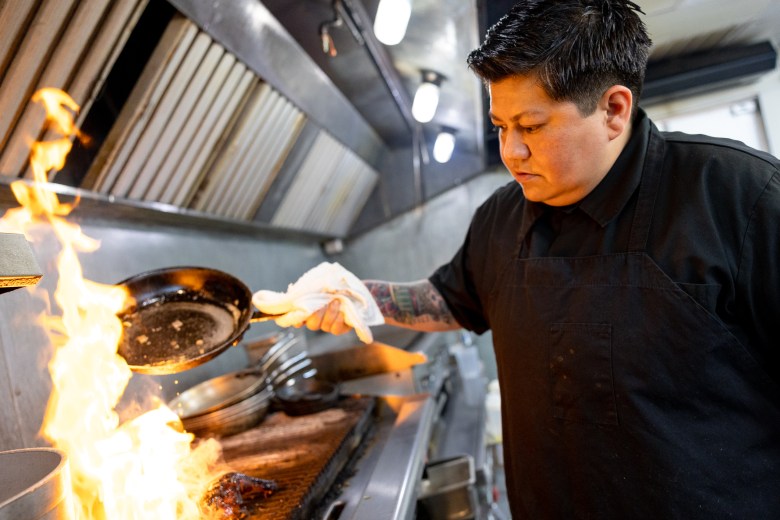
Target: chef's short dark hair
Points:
(576, 48)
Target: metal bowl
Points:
(35, 483)
(233, 419)
(217, 393)
(301, 396)
(258, 347)
(286, 360)
(224, 405)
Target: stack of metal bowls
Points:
(258, 347)
(224, 405)
(286, 359)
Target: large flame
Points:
(145, 468)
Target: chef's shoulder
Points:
(718, 157)
(719, 170)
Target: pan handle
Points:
(258, 316)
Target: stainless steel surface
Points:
(399, 383)
(461, 430)
(328, 189)
(192, 88)
(113, 210)
(380, 80)
(387, 479)
(245, 27)
(344, 364)
(448, 489)
(358, 17)
(18, 265)
(384, 481)
(35, 484)
(385, 485)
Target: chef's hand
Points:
(328, 319)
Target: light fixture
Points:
(426, 99)
(392, 17)
(444, 145)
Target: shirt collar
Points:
(612, 194)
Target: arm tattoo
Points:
(411, 304)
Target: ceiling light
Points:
(392, 17)
(426, 99)
(444, 145)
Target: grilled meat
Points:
(234, 494)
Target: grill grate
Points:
(304, 455)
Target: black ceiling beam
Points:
(695, 73)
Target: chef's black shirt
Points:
(715, 233)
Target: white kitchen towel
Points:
(317, 288)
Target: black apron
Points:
(624, 398)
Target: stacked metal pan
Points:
(285, 360)
(239, 400)
(224, 405)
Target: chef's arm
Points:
(412, 305)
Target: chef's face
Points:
(556, 154)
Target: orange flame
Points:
(146, 467)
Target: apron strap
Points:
(648, 189)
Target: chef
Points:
(631, 280)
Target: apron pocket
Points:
(581, 372)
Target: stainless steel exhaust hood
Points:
(211, 127)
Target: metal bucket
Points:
(35, 485)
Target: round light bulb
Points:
(426, 99)
(443, 147)
(392, 18)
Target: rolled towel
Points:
(315, 289)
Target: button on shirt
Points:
(715, 233)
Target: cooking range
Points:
(366, 456)
(303, 455)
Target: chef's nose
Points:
(515, 147)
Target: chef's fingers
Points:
(333, 320)
(339, 326)
(314, 321)
(324, 318)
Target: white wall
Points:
(766, 90)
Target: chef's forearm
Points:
(414, 305)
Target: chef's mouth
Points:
(523, 176)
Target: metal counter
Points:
(446, 418)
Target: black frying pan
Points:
(180, 317)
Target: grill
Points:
(359, 460)
(304, 455)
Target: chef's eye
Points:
(496, 128)
(531, 129)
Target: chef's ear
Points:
(617, 102)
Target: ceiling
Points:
(441, 33)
